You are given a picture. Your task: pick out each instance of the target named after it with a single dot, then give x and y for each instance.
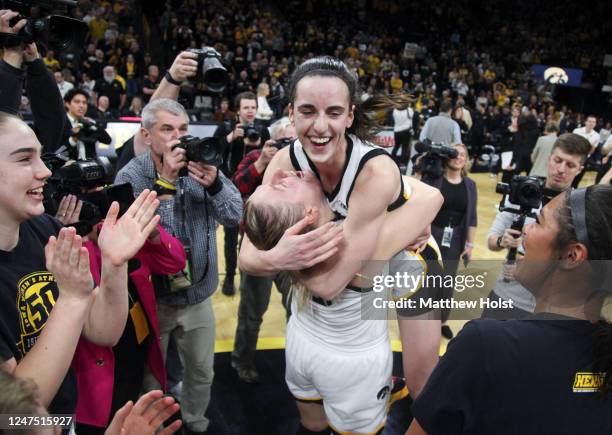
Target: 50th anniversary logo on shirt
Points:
(36, 296)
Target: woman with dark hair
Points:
(362, 185)
(551, 373)
(333, 129)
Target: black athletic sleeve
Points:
(47, 105)
(452, 397)
(11, 83)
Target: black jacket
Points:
(45, 99)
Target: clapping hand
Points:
(121, 239)
(68, 261)
(145, 417)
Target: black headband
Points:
(577, 203)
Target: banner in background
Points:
(558, 75)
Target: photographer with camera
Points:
(190, 208)
(454, 227)
(45, 99)
(255, 290)
(84, 132)
(568, 155)
(239, 138)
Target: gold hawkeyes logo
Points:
(36, 296)
(556, 75)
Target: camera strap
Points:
(183, 236)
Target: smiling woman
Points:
(47, 299)
(550, 373)
(22, 172)
(360, 186)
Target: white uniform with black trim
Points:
(334, 351)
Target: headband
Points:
(577, 203)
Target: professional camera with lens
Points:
(204, 150)
(282, 143)
(526, 192)
(57, 32)
(90, 180)
(252, 132)
(210, 69)
(432, 162)
(90, 131)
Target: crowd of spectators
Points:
(480, 58)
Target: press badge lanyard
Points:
(447, 235)
(183, 231)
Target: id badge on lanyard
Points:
(447, 237)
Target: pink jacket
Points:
(94, 365)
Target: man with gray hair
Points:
(194, 197)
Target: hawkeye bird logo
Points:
(556, 75)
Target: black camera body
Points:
(432, 162)
(210, 69)
(204, 150)
(524, 191)
(90, 132)
(282, 143)
(91, 181)
(57, 32)
(252, 132)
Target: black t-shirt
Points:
(150, 85)
(455, 204)
(27, 295)
(516, 377)
(112, 90)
